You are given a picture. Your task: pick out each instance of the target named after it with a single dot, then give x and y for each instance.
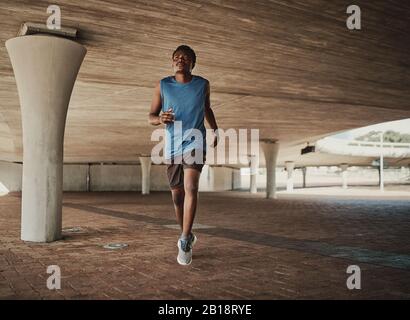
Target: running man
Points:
(184, 100)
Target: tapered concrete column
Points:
(381, 184)
(290, 166)
(146, 174)
(344, 167)
(45, 68)
(270, 149)
(254, 166)
(304, 176)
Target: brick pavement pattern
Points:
(253, 248)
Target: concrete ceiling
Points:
(289, 68)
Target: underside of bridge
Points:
(291, 69)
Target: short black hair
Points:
(189, 51)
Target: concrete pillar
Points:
(146, 174)
(45, 68)
(270, 149)
(254, 166)
(290, 166)
(344, 167)
(88, 179)
(381, 183)
(304, 176)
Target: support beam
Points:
(290, 166)
(45, 68)
(304, 176)
(344, 167)
(146, 174)
(270, 149)
(381, 181)
(254, 166)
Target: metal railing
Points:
(363, 148)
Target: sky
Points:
(402, 126)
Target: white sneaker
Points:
(184, 252)
(193, 239)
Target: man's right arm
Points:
(154, 117)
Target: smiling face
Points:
(181, 62)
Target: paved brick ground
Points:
(292, 247)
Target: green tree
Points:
(389, 136)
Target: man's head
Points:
(183, 59)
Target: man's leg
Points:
(178, 195)
(191, 182)
(175, 175)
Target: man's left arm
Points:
(209, 114)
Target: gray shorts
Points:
(176, 166)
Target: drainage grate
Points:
(72, 230)
(115, 246)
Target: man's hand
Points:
(167, 116)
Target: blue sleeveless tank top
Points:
(188, 103)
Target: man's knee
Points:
(191, 188)
(178, 196)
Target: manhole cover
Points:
(72, 230)
(194, 227)
(114, 246)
